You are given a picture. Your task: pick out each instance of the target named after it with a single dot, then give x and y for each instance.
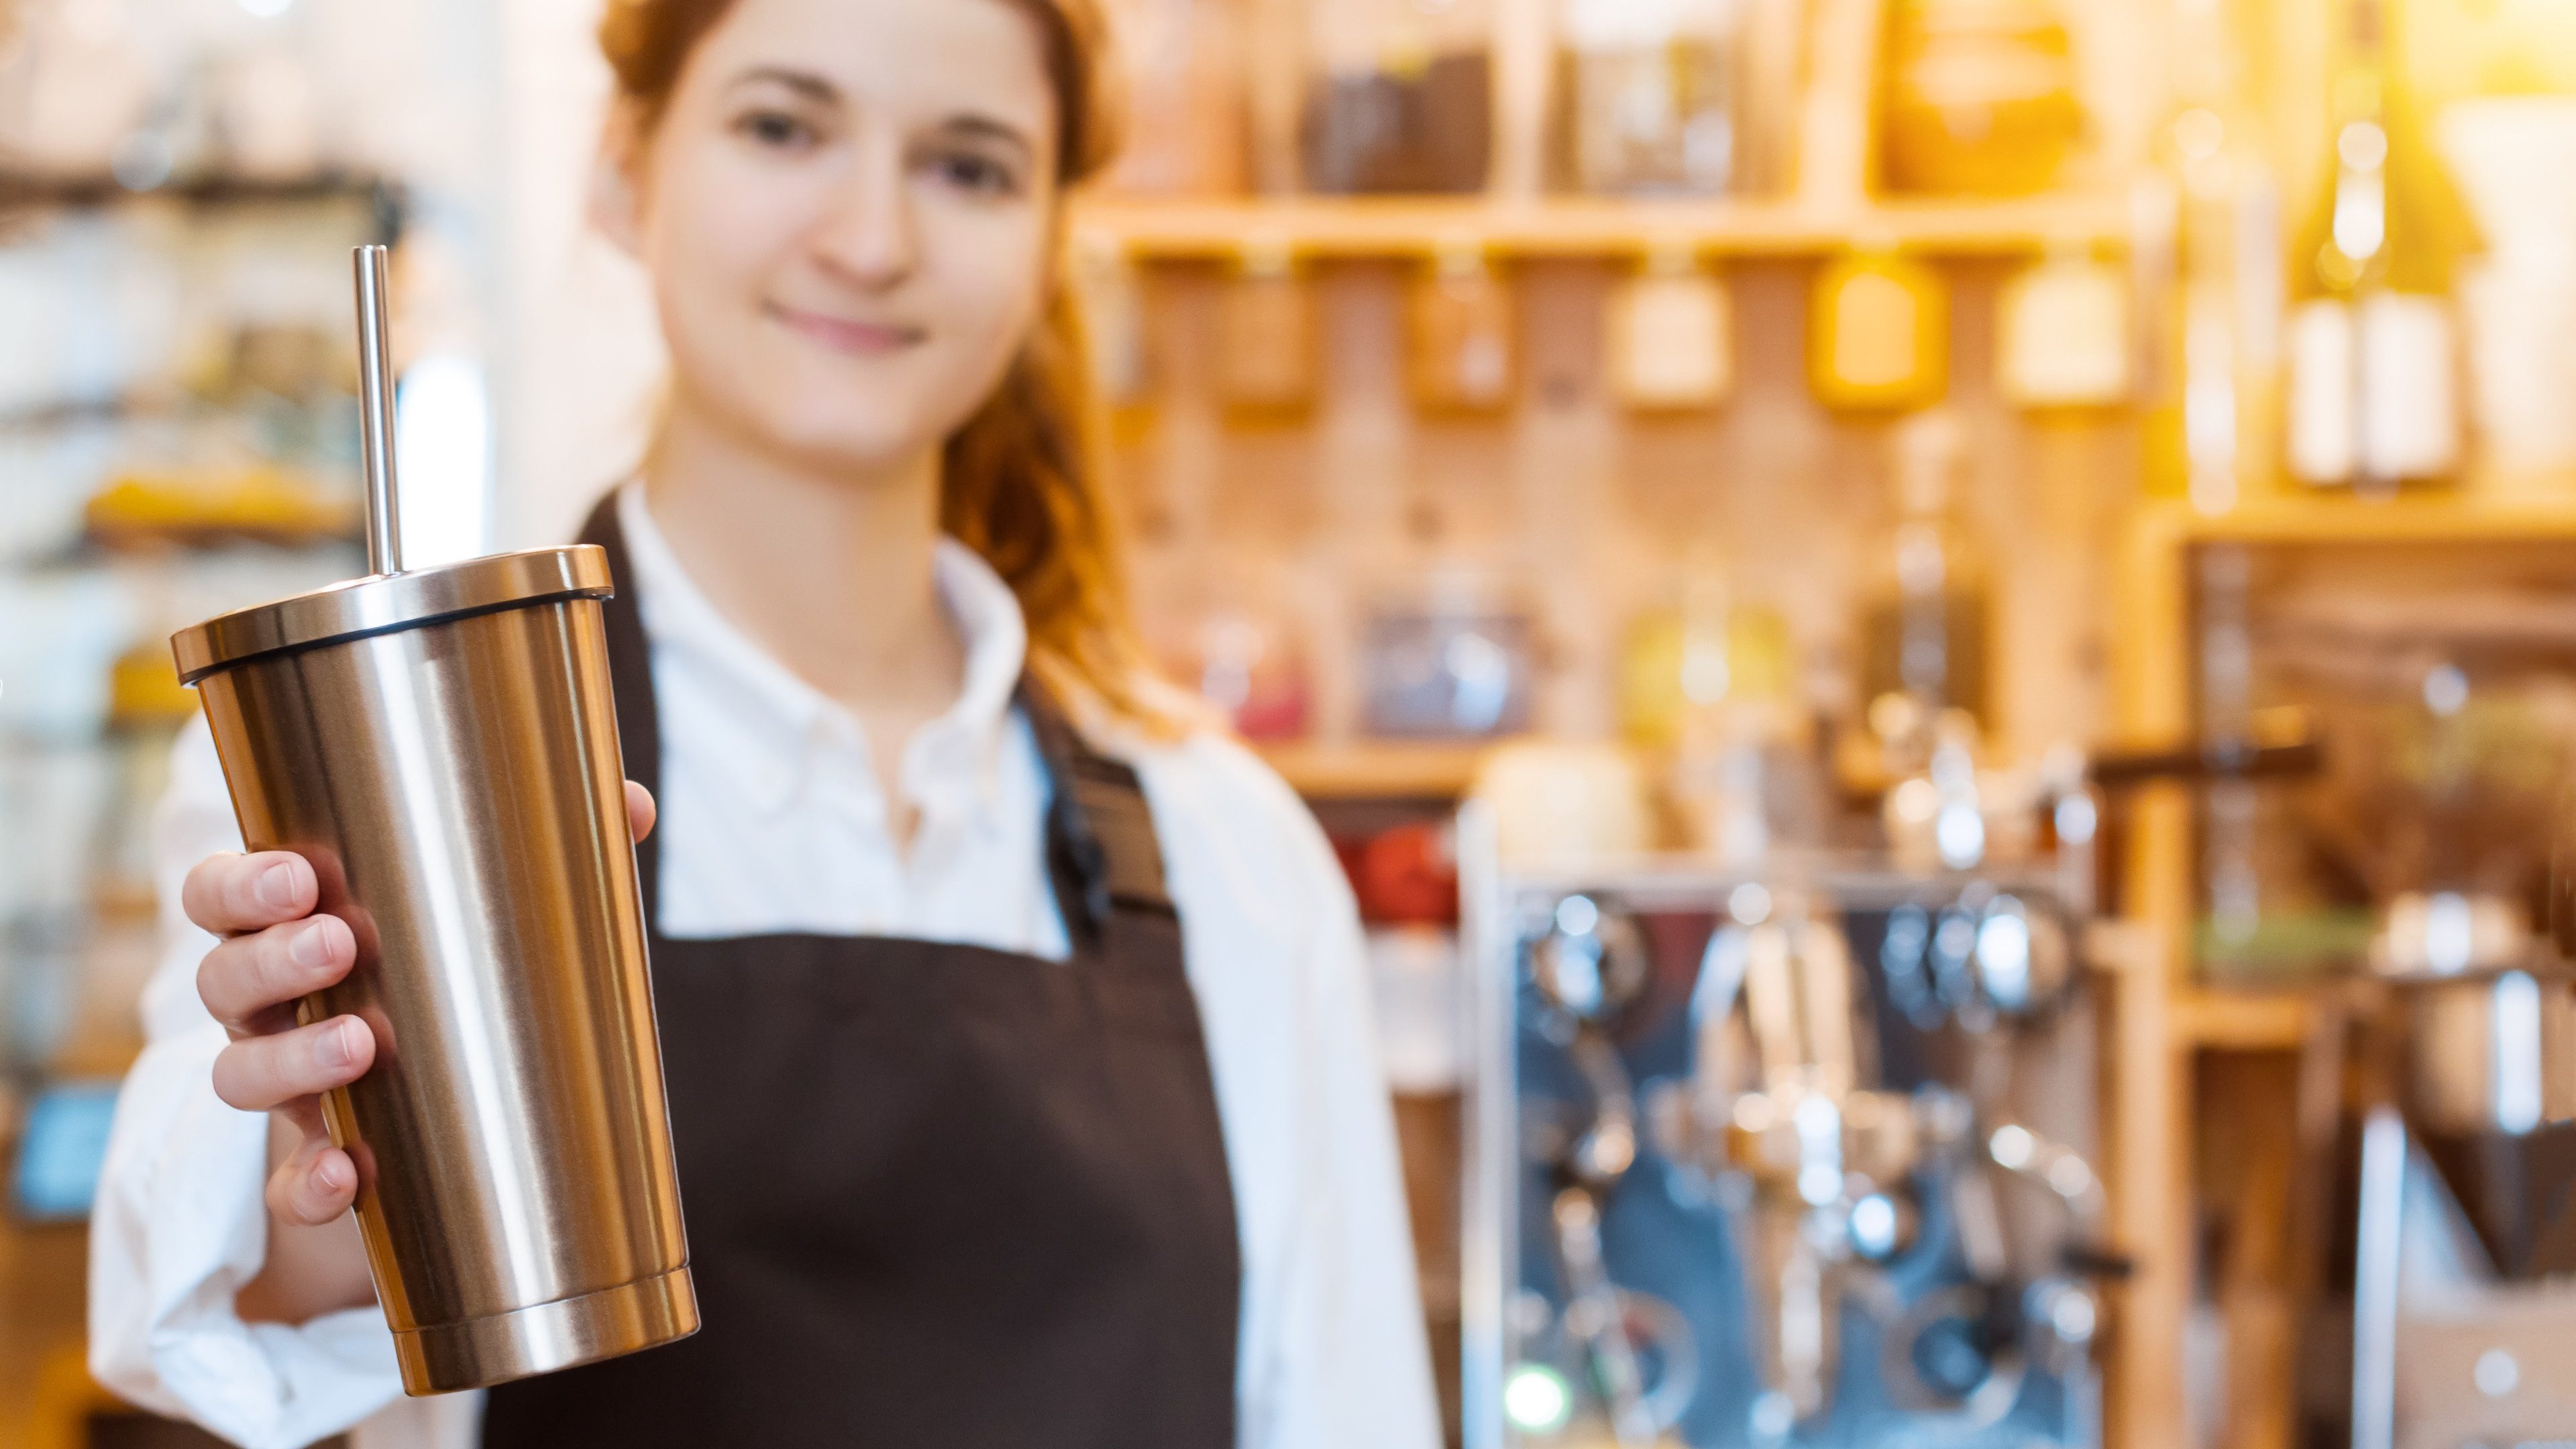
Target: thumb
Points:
(639, 809)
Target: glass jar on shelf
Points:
(1706, 684)
(1979, 97)
(1453, 656)
(1399, 96)
(1646, 96)
(2062, 333)
(1878, 331)
(1183, 62)
(1267, 329)
(1224, 634)
(1671, 335)
(1108, 289)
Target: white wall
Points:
(578, 357)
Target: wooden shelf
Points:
(2465, 517)
(1191, 230)
(21, 188)
(1376, 770)
(2223, 1018)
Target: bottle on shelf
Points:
(1925, 650)
(2510, 156)
(1646, 96)
(2373, 363)
(2221, 409)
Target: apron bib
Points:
(937, 1195)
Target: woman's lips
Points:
(843, 335)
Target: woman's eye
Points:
(775, 128)
(981, 174)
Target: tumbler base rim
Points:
(542, 1339)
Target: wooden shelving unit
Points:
(2209, 1018)
(23, 188)
(27, 195)
(2470, 516)
(2180, 1033)
(1376, 770)
(1356, 227)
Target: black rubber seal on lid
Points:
(387, 603)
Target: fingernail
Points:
(309, 949)
(277, 886)
(339, 1046)
(331, 1173)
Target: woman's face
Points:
(847, 210)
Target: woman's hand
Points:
(275, 951)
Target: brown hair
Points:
(1020, 482)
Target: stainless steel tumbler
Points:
(441, 745)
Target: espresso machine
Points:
(1791, 1151)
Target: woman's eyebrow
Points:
(971, 126)
(812, 86)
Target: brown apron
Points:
(937, 1195)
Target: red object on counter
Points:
(1406, 875)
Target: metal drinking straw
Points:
(376, 414)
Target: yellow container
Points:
(1980, 97)
(1879, 333)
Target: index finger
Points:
(229, 893)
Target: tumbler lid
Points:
(383, 603)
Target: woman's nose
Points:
(868, 235)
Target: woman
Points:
(931, 1198)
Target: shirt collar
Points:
(952, 764)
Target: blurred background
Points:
(1998, 578)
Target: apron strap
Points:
(1101, 847)
(630, 672)
(1102, 854)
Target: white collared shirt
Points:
(773, 821)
